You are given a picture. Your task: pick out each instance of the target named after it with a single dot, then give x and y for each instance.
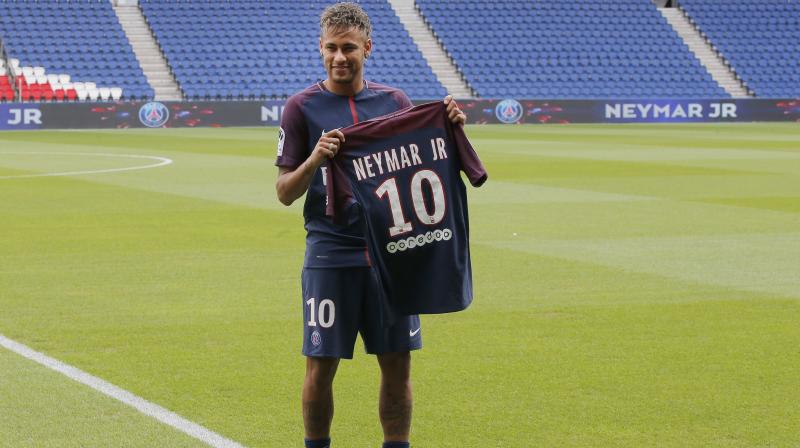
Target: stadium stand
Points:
(567, 49)
(759, 38)
(6, 91)
(269, 49)
(70, 50)
(77, 50)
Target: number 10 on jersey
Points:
(425, 214)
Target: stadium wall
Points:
(109, 115)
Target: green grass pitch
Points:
(635, 286)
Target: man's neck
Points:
(351, 89)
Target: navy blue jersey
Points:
(402, 172)
(306, 116)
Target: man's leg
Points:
(395, 397)
(318, 397)
(392, 345)
(330, 318)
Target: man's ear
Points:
(367, 48)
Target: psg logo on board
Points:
(508, 111)
(153, 114)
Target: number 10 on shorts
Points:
(326, 312)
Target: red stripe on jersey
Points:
(353, 110)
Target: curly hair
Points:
(344, 16)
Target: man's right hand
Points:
(327, 146)
(293, 183)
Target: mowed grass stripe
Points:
(510, 192)
(646, 141)
(698, 151)
(537, 283)
(683, 135)
(537, 169)
(760, 262)
(545, 221)
(5, 171)
(686, 187)
(258, 143)
(231, 179)
(54, 163)
(781, 203)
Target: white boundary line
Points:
(145, 407)
(162, 161)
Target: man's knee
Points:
(321, 371)
(395, 366)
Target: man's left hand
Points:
(453, 112)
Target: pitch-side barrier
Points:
(153, 114)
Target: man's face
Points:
(343, 53)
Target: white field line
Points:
(162, 161)
(140, 404)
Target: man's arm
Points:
(293, 183)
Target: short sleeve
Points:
(292, 135)
(471, 164)
(402, 99)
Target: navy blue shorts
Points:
(340, 303)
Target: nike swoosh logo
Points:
(414, 333)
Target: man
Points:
(339, 287)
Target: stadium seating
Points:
(567, 49)
(759, 38)
(70, 50)
(241, 49)
(6, 91)
(269, 49)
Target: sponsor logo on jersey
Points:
(281, 139)
(316, 338)
(508, 111)
(413, 333)
(153, 114)
(419, 240)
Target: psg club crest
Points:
(316, 339)
(153, 114)
(508, 111)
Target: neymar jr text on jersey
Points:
(394, 159)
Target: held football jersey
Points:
(402, 173)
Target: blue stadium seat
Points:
(244, 43)
(546, 48)
(759, 38)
